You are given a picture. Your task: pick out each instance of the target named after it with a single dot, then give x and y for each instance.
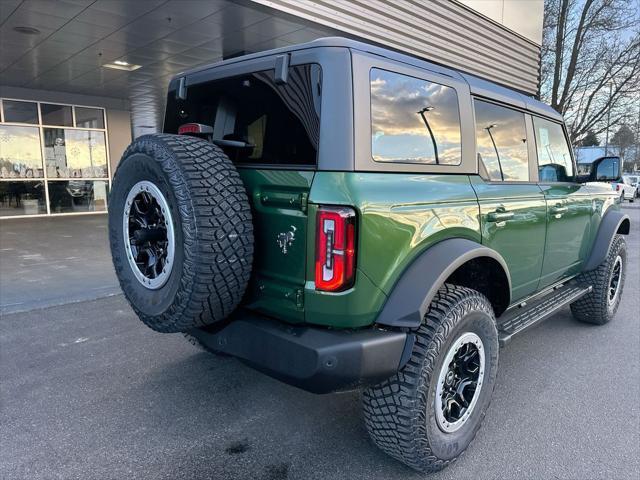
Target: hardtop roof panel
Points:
(478, 86)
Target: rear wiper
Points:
(426, 122)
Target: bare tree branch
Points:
(577, 43)
(588, 44)
(557, 69)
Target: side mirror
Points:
(553, 172)
(607, 169)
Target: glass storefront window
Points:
(20, 112)
(89, 117)
(53, 114)
(22, 198)
(20, 153)
(71, 196)
(53, 159)
(75, 153)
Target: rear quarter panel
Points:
(399, 216)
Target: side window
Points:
(554, 156)
(413, 121)
(501, 142)
(254, 119)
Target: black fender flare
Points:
(613, 222)
(412, 294)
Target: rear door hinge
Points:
(285, 200)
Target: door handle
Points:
(559, 209)
(499, 216)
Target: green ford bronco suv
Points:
(341, 216)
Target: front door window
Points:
(554, 156)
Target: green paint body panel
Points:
(520, 239)
(569, 236)
(355, 307)
(279, 206)
(400, 215)
(603, 199)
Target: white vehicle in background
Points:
(627, 192)
(607, 170)
(632, 180)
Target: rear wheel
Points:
(181, 232)
(429, 412)
(601, 304)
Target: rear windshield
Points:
(254, 119)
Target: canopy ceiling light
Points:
(122, 65)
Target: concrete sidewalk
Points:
(54, 261)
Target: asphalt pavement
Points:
(88, 392)
(54, 261)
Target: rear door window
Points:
(554, 157)
(501, 142)
(254, 119)
(413, 120)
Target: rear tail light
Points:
(617, 187)
(335, 248)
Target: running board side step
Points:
(519, 318)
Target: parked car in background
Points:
(632, 180)
(626, 191)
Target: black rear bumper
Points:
(314, 359)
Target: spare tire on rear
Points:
(181, 232)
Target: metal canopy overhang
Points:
(77, 37)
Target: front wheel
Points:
(428, 413)
(607, 281)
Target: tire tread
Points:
(217, 230)
(593, 307)
(393, 417)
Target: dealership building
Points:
(80, 78)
